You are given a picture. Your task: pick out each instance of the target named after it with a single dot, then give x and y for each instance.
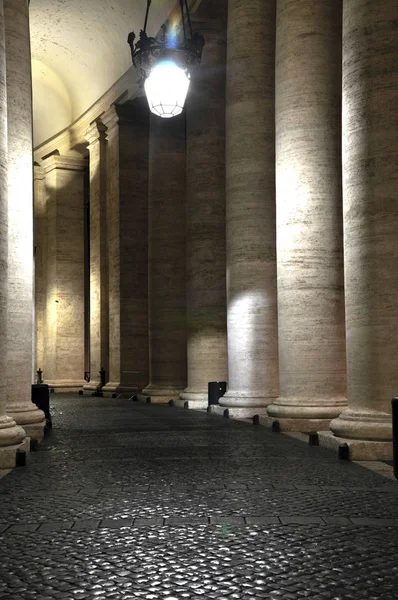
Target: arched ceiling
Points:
(79, 50)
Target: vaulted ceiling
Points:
(79, 50)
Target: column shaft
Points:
(40, 254)
(370, 157)
(206, 287)
(309, 215)
(64, 327)
(250, 208)
(11, 435)
(167, 259)
(127, 208)
(99, 295)
(20, 221)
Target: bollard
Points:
(394, 403)
(216, 389)
(41, 397)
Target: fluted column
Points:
(309, 215)
(40, 254)
(167, 242)
(250, 208)
(20, 221)
(12, 436)
(64, 323)
(127, 210)
(206, 287)
(370, 186)
(99, 326)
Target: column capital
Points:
(96, 132)
(65, 163)
(135, 112)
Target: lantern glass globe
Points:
(166, 89)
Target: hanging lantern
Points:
(166, 63)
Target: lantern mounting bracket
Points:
(186, 53)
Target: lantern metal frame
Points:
(148, 52)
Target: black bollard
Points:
(215, 389)
(41, 397)
(394, 403)
(20, 458)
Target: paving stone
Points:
(21, 527)
(337, 520)
(375, 522)
(186, 520)
(116, 523)
(86, 524)
(227, 520)
(155, 521)
(55, 526)
(301, 520)
(262, 520)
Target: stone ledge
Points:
(294, 425)
(240, 412)
(357, 449)
(190, 405)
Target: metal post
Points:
(394, 403)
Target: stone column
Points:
(99, 326)
(40, 254)
(206, 287)
(64, 328)
(127, 209)
(370, 157)
(167, 244)
(250, 208)
(12, 436)
(20, 221)
(309, 215)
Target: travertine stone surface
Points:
(64, 327)
(127, 209)
(250, 207)
(370, 158)
(20, 221)
(309, 212)
(40, 262)
(99, 295)
(206, 287)
(11, 434)
(167, 259)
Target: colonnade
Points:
(251, 240)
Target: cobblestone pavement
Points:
(132, 501)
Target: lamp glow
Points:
(166, 89)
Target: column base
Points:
(65, 386)
(357, 449)
(8, 454)
(363, 425)
(237, 412)
(246, 399)
(195, 400)
(30, 418)
(190, 405)
(161, 395)
(91, 388)
(307, 409)
(113, 387)
(12, 438)
(295, 425)
(244, 405)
